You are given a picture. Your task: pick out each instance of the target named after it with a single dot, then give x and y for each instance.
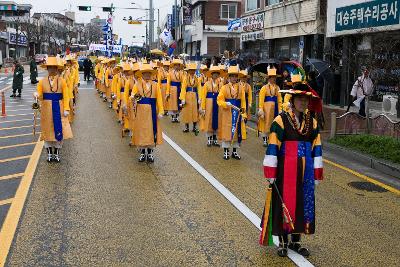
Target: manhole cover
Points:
(367, 186)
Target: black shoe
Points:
(282, 252)
(186, 130)
(196, 131)
(226, 154)
(56, 155)
(142, 156)
(299, 249)
(209, 142)
(235, 155)
(49, 154)
(13, 95)
(150, 158)
(19, 95)
(215, 143)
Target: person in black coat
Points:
(87, 69)
(18, 79)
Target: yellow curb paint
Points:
(18, 145)
(18, 135)
(6, 201)
(13, 159)
(6, 177)
(14, 213)
(16, 127)
(362, 176)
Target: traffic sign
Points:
(85, 8)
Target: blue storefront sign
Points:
(21, 39)
(367, 15)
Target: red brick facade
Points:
(213, 12)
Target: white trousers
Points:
(55, 144)
(228, 144)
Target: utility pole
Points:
(151, 28)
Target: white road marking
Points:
(2, 78)
(249, 214)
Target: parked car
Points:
(40, 58)
(80, 62)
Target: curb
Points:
(383, 166)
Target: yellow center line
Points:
(6, 201)
(13, 159)
(18, 120)
(17, 145)
(6, 177)
(362, 176)
(16, 127)
(18, 135)
(10, 224)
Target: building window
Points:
(227, 44)
(252, 5)
(228, 11)
(196, 13)
(273, 2)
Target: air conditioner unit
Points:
(389, 104)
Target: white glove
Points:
(35, 95)
(316, 182)
(160, 116)
(228, 104)
(113, 96)
(199, 101)
(66, 113)
(202, 112)
(183, 102)
(260, 113)
(271, 180)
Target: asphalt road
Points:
(100, 207)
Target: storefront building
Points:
(364, 33)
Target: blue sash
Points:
(275, 100)
(164, 81)
(178, 88)
(152, 103)
(56, 112)
(214, 96)
(122, 89)
(235, 117)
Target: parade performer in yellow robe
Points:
(163, 79)
(53, 94)
(148, 108)
(67, 75)
(108, 80)
(209, 111)
(232, 100)
(174, 84)
(244, 76)
(269, 105)
(132, 78)
(189, 98)
(114, 86)
(102, 78)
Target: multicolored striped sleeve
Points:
(317, 154)
(274, 143)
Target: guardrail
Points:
(353, 123)
(3, 100)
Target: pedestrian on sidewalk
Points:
(269, 105)
(232, 100)
(148, 108)
(33, 70)
(189, 97)
(362, 89)
(54, 97)
(18, 79)
(210, 110)
(293, 161)
(174, 84)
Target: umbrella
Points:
(156, 52)
(261, 66)
(323, 69)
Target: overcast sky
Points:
(122, 28)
